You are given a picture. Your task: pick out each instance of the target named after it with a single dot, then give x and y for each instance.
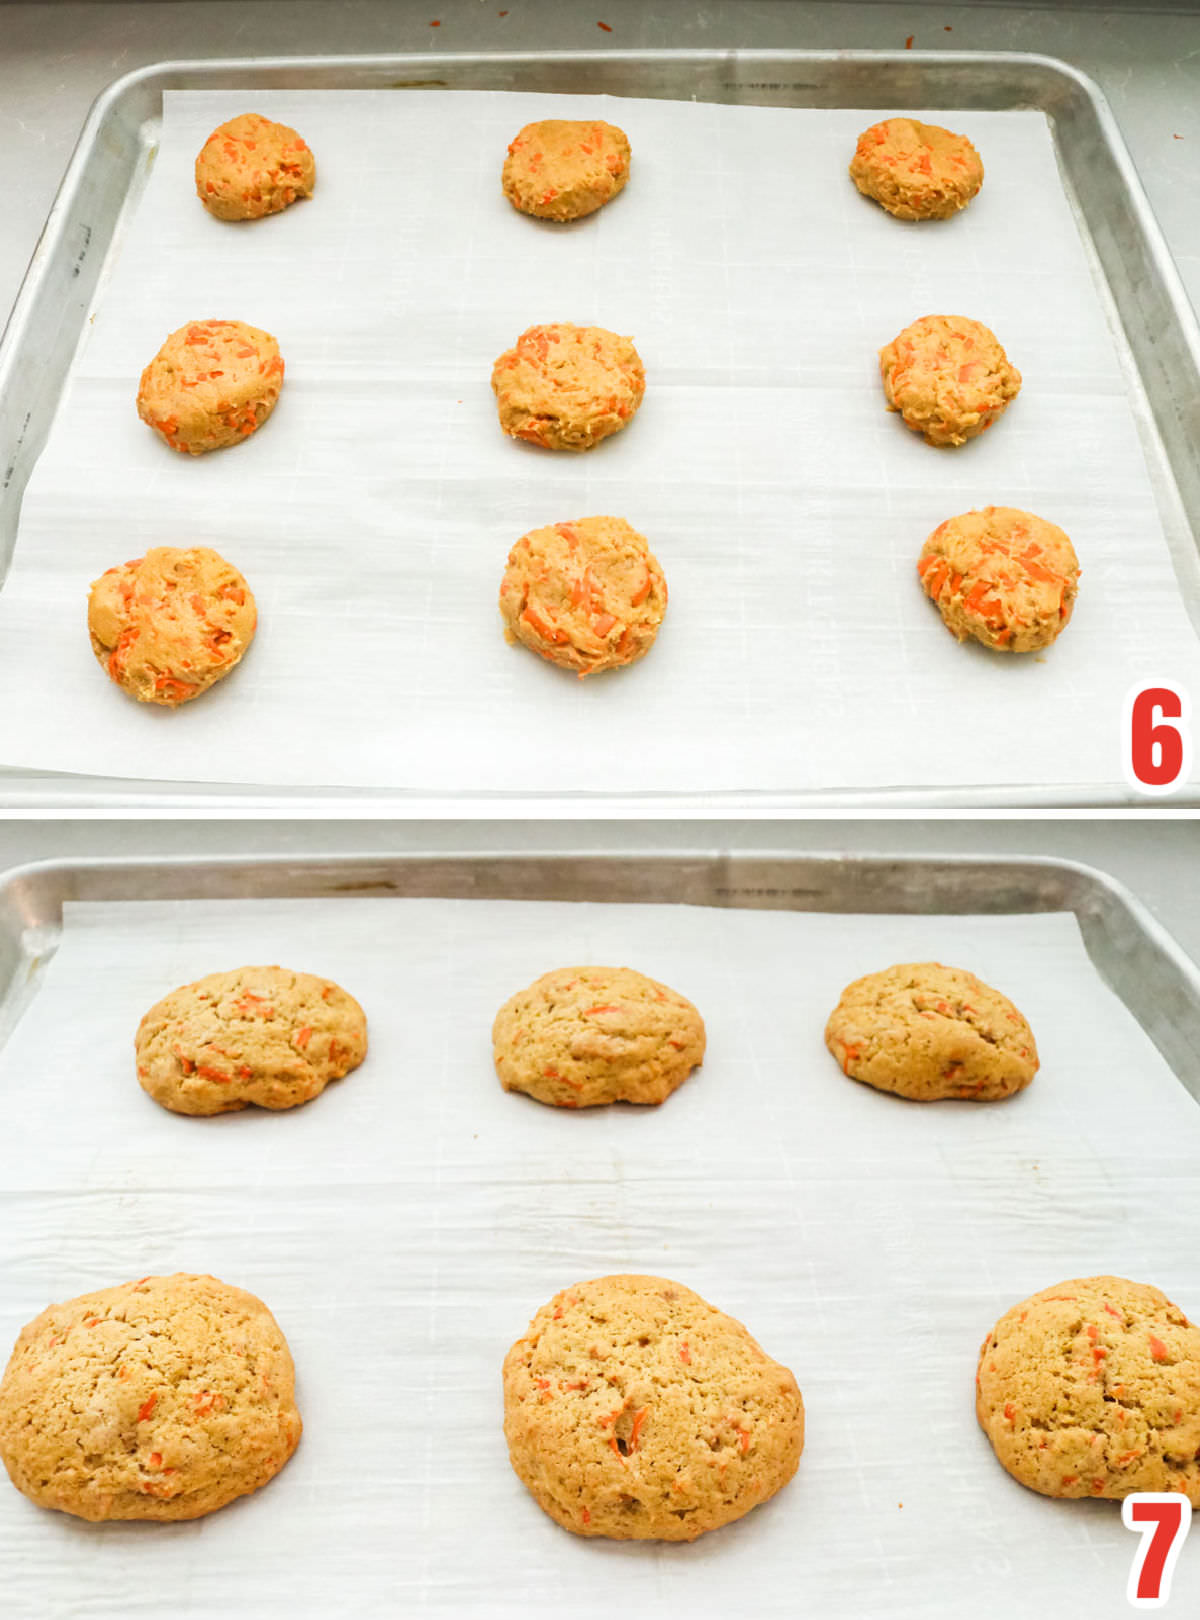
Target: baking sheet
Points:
(406, 1225)
(373, 515)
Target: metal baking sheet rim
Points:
(60, 267)
(1139, 960)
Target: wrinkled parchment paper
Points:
(406, 1225)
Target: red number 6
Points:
(1156, 745)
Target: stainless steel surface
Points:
(1153, 324)
(57, 55)
(1133, 953)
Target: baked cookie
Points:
(252, 166)
(915, 170)
(1092, 1388)
(212, 384)
(567, 387)
(927, 1031)
(168, 625)
(949, 378)
(1001, 575)
(634, 1409)
(261, 1035)
(160, 1399)
(586, 1035)
(587, 595)
(563, 168)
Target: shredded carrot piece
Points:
(146, 1408)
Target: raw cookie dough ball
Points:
(587, 595)
(561, 168)
(168, 625)
(261, 1035)
(948, 377)
(252, 166)
(567, 387)
(1092, 1388)
(634, 1409)
(586, 1035)
(915, 170)
(159, 1399)
(926, 1031)
(212, 384)
(1004, 576)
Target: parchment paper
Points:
(406, 1225)
(372, 516)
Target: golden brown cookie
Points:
(567, 387)
(261, 1035)
(160, 1399)
(168, 625)
(915, 170)
(1004, 576)
(1092, 1388)
(252, 166)
(586, 1035)
(634, 1409)
(926, 1031)
(949, 378)
(560, 168)
(587, 595)
(212, 384)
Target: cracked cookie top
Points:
(634, 1409)
(262, 1035)
(585, 1035)
(927, 1031)
(1092, 1388)
(163, 1398)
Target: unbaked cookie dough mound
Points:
(1092, 1388)
(1003, 576)
(160, 1399)
(562, 169)
(257, 1035)
(588, 595)
(169, 625)
(212, 384)
(915, 170)
(948, 377)
(581, 1036)
(635, 1410)
(926, 1032)
(567, 387)
(252, 166)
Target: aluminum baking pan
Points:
(1153, 325)
(1135, 956)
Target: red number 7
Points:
(1163, 1520)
